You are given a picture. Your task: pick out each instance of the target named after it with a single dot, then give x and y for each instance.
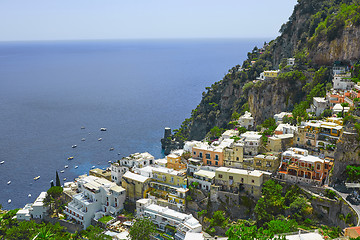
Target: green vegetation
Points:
(54, 199)
(353, 173)
(105, 219)
(142, 229)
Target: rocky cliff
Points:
(317, 33)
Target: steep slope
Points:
(317, 33)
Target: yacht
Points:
(109, 161)
(99, 139)
(111, 149)
(2, 162)
(83, 139)
(9, 201)
(103, 129)
(92, 167)
(76, 166)
(66, 166)
(8, 182)
(36, 178)
(73, 146)
(64, 179)
(62, 171)
(70, 158)
(29, 195)
(82, 127)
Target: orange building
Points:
(175, 161)
(211, 155)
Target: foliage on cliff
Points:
(317, 33)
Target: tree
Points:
(45, 234)
(53, 198)
(142, 229)
(344, 105)
(95, 233)
(58, 184)
(242, 232)
(218, 219)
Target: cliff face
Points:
(317, 33)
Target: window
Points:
(200, 154)
(194, 153)
(253, 181)
(216, 163)
(207, 156)
(216, 157)
(172, 179)
(318, 166)
(231, 177)
(237, 158)
(220, 175)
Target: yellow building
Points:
(271, 74)
(97, 172)
(136, 185)
(279, 143)
(175, 161)
(231, 179)
(233, 157)
(267, 163)
(170, 185)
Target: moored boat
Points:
(9, 201)
(99, 139)
(103, 129)
(73, 146)
(83, 139)
(70, 158)
(8, 182)
(76, 166)
(111, 149)
(66, 166)
(2, 162)
(36, 178)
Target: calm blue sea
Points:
(49, 90)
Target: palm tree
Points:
(44, 234)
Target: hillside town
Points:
(175, 191)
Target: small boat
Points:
(64, 179)
(73, 146)
(83, 139)
(29, 195)
(2, 162)
(99, 139)
(70, 158)
(66, 166)
(103, 129)
(92, 167)
(82, 127)
(119, 153)
(9, 201)
(8, 182)
(62, 171)
(76, 166)
(111, 149)
(109, 161)
(36, 178)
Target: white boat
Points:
(8, 182)
(99, 139)
(111, 149)
(82, 127)
(70, 158)
(9, 201)
(109, 161)
(36, 178)
(103, 129)
(66, 166)
(62, 171)
(64, 179)
(29, 195)
(83, 139)
(73, 146)
(92, 167)
(2, 162)
(76, 166)
(119, 153)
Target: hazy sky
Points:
(117, 19)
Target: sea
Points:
(55, 94)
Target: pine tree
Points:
(58, 184)
(51, 183)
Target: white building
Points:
(98, 197)
(34, 210)
(342, 82)
(286, 129)
(188, 145)
(137, 160)
(319, 105)
(205, 178)
(339, 70)
(279, 116)
(338, 109)
(246, 120)
(251, 142)
(161, 162)
(290, 62)
(162, 216)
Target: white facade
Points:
(279, 116)
(162, 216)
(338, 109)
(339, 70)
(205, 178)
(98, 197)
(290, 61)
(251, 142)
(188, 145)
(34, 210)
(161, 162)
(246, 120)
(286, 129)
(117, 171)
(319, 105)
(342, 82)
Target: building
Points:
(290, 62)
(319, 105)
(136, 160)
(175, 160)
(251, 142)
(204, 178)
(169, 185)
(285, 129)
(234, 155)
(232, 179)
(136, 185)
(342, 82)
(339, 109)
(352, 232)
(211, 154)
(267, 75)
(35, 210)
(279, 143)
(298, 166)
(355, 91)
(98, 197)
(338, 69)
(246, 121)
(280, 116)
(97, 172)
(161, 162)
(163, 216)
(268, 163)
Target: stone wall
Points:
(70, 227)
